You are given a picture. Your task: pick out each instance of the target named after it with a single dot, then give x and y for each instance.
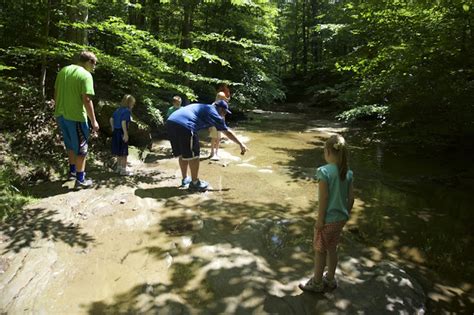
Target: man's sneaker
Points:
(215, 157)
(312, 286)
(72, 175)
(86, 183)
(200, 185)
(330, 284)
(185, 181)
(125, 172)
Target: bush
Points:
(11, 200)
(365, 112)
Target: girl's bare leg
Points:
(319, 265)
(332, 263)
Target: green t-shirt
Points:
(171, 110)
(337, 209)
(71, 83)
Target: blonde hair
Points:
(221, 96)
(177, 98)
(336, 146)
(128, 100)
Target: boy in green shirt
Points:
(72, 91)
(176, 105)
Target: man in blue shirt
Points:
(182, 127)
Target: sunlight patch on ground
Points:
(328, 130)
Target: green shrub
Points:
(11, 199)
(365, 112)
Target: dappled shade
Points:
(26, 228)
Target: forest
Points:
(398, 73)
(405, 65)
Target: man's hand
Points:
(125, 138)
(95, 126)
(243, 149)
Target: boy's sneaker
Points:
(200, 185)
(125, 172)
(86, 183)
(186, 181)
(215, 157)
(330, 284)
(72, 175)
(312, 286)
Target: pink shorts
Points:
(328, 237)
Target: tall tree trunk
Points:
(136, 16)
(47, 22)
(154, 25)
(187, 25)
(77, 12)
(314, 38)
(305, 38)
(294, 53)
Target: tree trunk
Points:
(294, 53)
(154, 25)
(77, 13)
(187, 25)
(313, 39)
(305, 38)
(44, 49)
(136, 16)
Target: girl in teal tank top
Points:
(336, 198)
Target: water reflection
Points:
(413, 203)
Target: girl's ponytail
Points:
(336, 145)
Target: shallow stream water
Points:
(142, 245)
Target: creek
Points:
(142, 245)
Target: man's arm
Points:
(232, 136)
(87, 101)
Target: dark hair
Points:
(336, 145)
(85, 56)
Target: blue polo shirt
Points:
(198, 116)
(337, 209)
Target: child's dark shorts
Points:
(328, 237)
(184, 142)
(119, 147)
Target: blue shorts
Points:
(184, 142)
(75, 134)
(119, 147)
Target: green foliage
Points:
(140, 51)
(156, 118)
(11, 200)
(248, 42)
(365, 112)
(413, 54)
